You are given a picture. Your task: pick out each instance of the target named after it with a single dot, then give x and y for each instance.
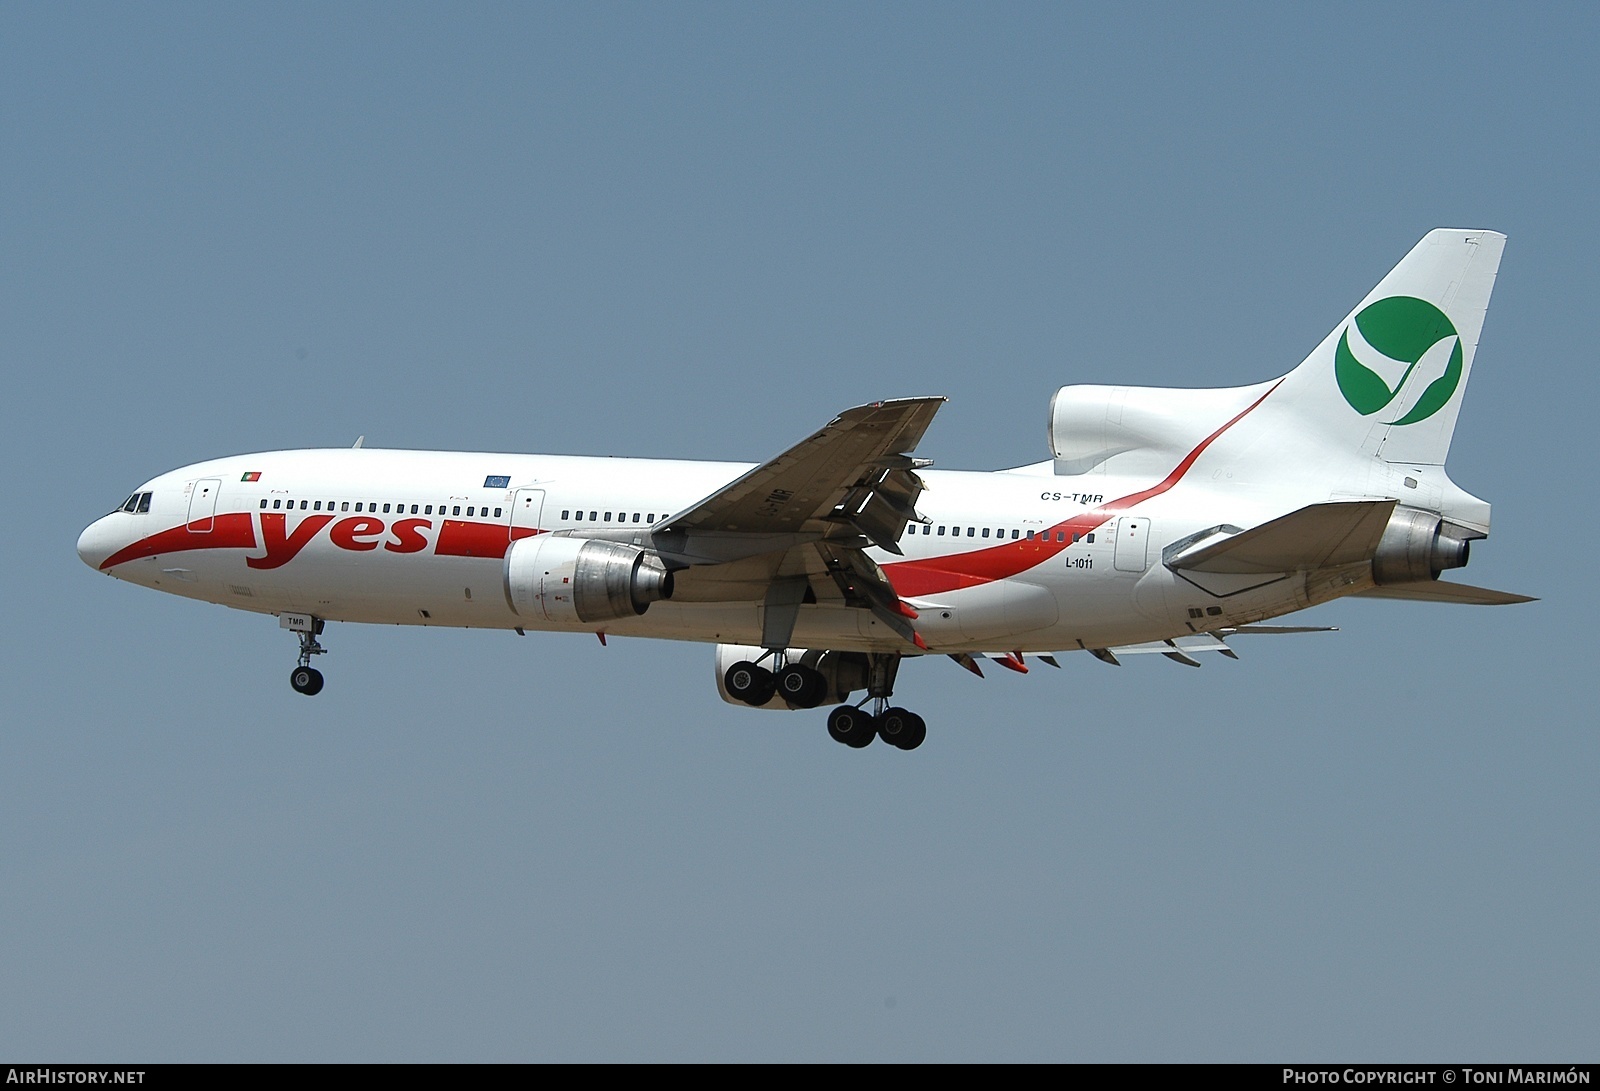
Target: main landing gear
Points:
(855, 727)
(305, 678)
(801, 686)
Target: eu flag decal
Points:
(494, 481)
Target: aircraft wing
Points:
(810, 512)
(856, 473)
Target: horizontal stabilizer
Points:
(1319, 536)
(1276, 630)
(1178, 648)
(1182, 649)
(1440, 591)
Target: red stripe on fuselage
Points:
(459, 538)
(951, 573)
(232, 531)
(236, 530)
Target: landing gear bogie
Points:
(854, 726)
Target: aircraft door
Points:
(527, 507)
(1133, 544)
(203, 504)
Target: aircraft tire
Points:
(306, 680)
(749, 683)
(902, 728)
(802, 686)
(919, 732)
(852, 726)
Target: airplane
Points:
(1166, 521)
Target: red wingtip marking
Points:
(906, 610)
(916, 638)
(1012, 664)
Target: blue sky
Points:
(698, 231)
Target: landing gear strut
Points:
(305, 678)
(855, 727)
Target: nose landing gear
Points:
(305, 678)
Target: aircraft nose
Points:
(96, 543)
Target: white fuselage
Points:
(1008, 560)
(1166, 521)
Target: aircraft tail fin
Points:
(1368, 414)
(1389, 379)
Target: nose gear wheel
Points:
(305, 678)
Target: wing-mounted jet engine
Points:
(582, 579)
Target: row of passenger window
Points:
(595, 516)
(141, 502)
(1000, 532)
(479, 510)
(570, 516)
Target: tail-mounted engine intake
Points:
(583, 580)
(1415, 547)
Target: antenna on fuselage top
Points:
(359, 441)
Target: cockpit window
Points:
(138, 502)
(131, 503)
(144, 502)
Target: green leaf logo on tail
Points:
(1407, 360)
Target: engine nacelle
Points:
(1415, 547)
(844, 671)
(583, 580)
